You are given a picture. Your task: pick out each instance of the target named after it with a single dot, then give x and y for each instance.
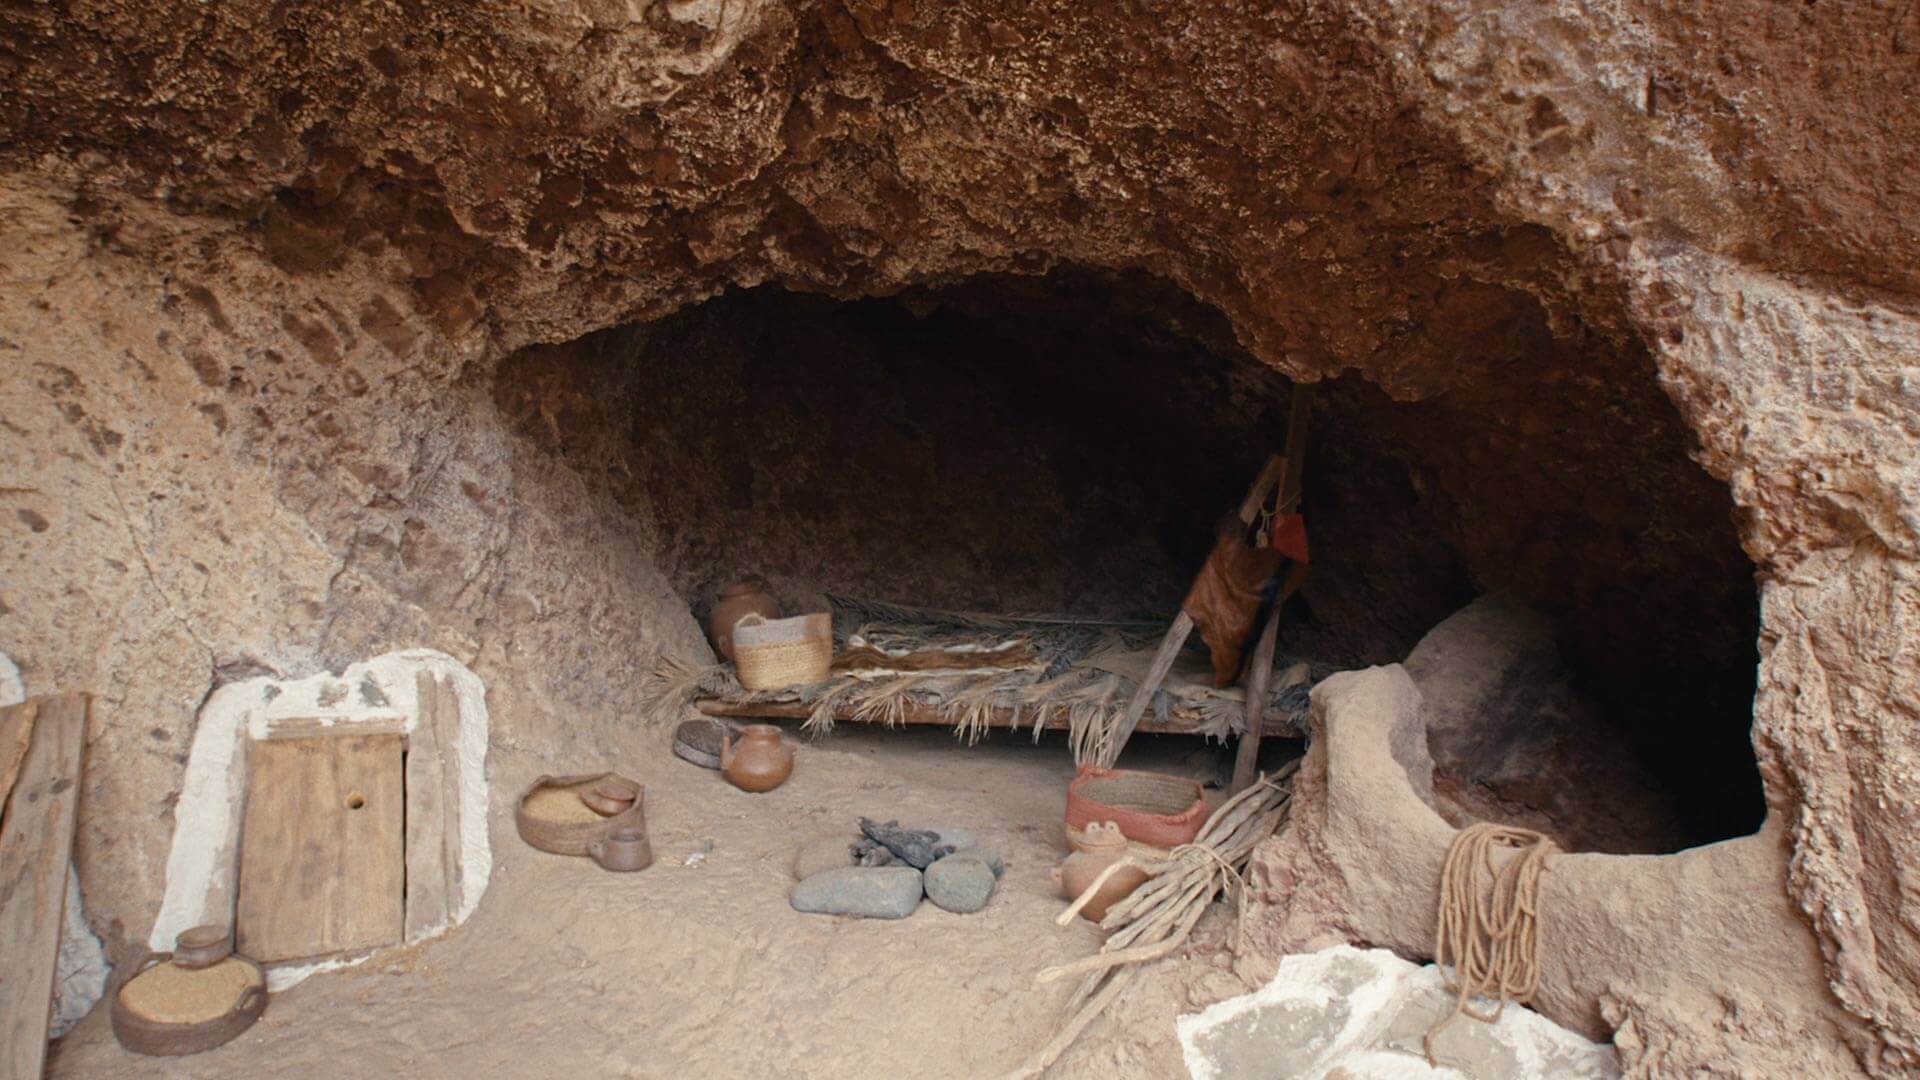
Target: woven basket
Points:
(774, 654)
(572, 837)
(1152, 809)
(161, 1038)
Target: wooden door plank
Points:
(322, 847)
(36, 845)
(433, 807)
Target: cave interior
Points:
(1064, 442)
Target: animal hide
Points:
(1225, 598)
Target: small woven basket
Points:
(774, 654)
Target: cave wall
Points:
(1007, 444)
(260, 256)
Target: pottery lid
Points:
(615, 789)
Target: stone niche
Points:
(430, 699)
(1686, 961)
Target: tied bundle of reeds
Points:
(1157, 917)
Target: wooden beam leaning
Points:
(1271, 474)
(1259, 681)
(1247, 754)
(36, 847)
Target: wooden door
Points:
(322, 847)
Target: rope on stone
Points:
(1488, 929)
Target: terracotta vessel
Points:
(614, 795)
(747, 596)
(202, 947)
(757, 759)
(1101, 845)
(624, 849)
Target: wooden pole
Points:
(36, 845)
(1271, 473)
(1259, 679)
(1247, 754)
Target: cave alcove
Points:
(1063, 443)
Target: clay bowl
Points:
(611, 796)
(540, 827)
(202, 947)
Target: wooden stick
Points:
(36, 846)
(1270, 474)
(1247, 755)
(1298, 409)
(1041, 1061)
(1142, 694)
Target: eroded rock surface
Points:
(1513, 742)
(1689, 960)
(261, 260)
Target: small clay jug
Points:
(624, 849)
(743, 597)
(758, 759)
(1101, 845)
(202, 947)
(611, 796)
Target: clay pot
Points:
(758, 759)
(624, 849)
(614, 795)
(747, 596)
(202, 947)
(1101, 845)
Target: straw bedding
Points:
(970, 666)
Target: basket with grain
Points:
(774, 654)
(552, 816)
(189, 1001)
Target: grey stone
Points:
(985, 855)
(1353, 1012)
(957, 839)
(872, 892)
(822, 853)
(961, 883)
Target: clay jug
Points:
(758, 759)
(1101, 845)
(624, 849)
(748, 595)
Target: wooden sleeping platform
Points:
(1276, 724)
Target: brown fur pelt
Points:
(1225, 598)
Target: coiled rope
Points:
(1488, 928)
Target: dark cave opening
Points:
(1065, 444)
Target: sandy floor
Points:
(705, 971)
